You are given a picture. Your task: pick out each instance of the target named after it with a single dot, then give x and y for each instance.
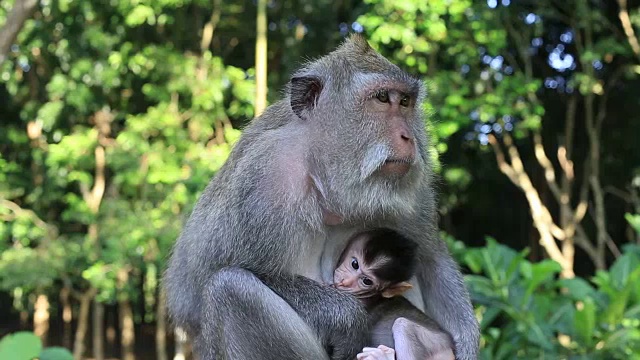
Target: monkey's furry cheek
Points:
(373, 159)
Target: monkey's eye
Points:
(354, 264)
(383, 96)
(404, 101)
(367, 282)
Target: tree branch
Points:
(541, 217)
(21, 11)
(210, 26)
(623, 14)
(51, 231)
(502, 163)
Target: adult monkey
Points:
(344, 151)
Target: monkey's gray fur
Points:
(338, 318)
(304, 177)
(382, 319)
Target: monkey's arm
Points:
(242, 317)
(416, 342)
(440, 281)
(339, 319)
(447, 302)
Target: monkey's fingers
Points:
(387, 350)
(376, 354)
(369, 356)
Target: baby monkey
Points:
(375, 268)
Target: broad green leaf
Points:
(56, 353)
(577, 288)
(622, 269)
(539, 273)
(20, 346)
(634, 221)
(585, 321)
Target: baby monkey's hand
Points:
(380, 353)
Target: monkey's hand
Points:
(380, 353)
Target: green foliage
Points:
(20, 346)
(526, 311)
(634, 221)
(55, 353)
(26, 346)
(43, 268)
(85, 80)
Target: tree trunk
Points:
(98, 330)
(41, 318)
(24, 319)
(67, 316)
(93, 199)
(261, 58)
(83, 323)
(127, 338)
(161, 326)
(127, 330)
(111, 334)
(21, 11)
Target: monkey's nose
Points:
(407, 139)
(404, 151)
(404, 135)
(347, 282)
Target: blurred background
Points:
(115, 114)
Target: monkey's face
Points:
(354, 275)
(389, 141)
(367, 140)
(376, 160)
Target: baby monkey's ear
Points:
(396, 289)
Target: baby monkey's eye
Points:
(404, 100)
(383, 96)
(367, 281)
(354, 263)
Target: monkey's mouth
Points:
(406, 160)
(397, 166)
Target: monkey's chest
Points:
(323, 253)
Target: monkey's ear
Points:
(396, 289)
(305, 91)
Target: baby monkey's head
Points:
(376, 262)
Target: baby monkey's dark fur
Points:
(400, 251)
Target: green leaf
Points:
(634, 221)
(577, 288)
(539, 334)
(585, 321)
(541, 272)
(20, 346)
(622, 268)
(613, 314)
(48, 114)
(56, 353)
(139, 15)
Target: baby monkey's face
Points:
(356, 276)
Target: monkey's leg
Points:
(447, 302)
(244, 319)
(416, 342)
(338, 319)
